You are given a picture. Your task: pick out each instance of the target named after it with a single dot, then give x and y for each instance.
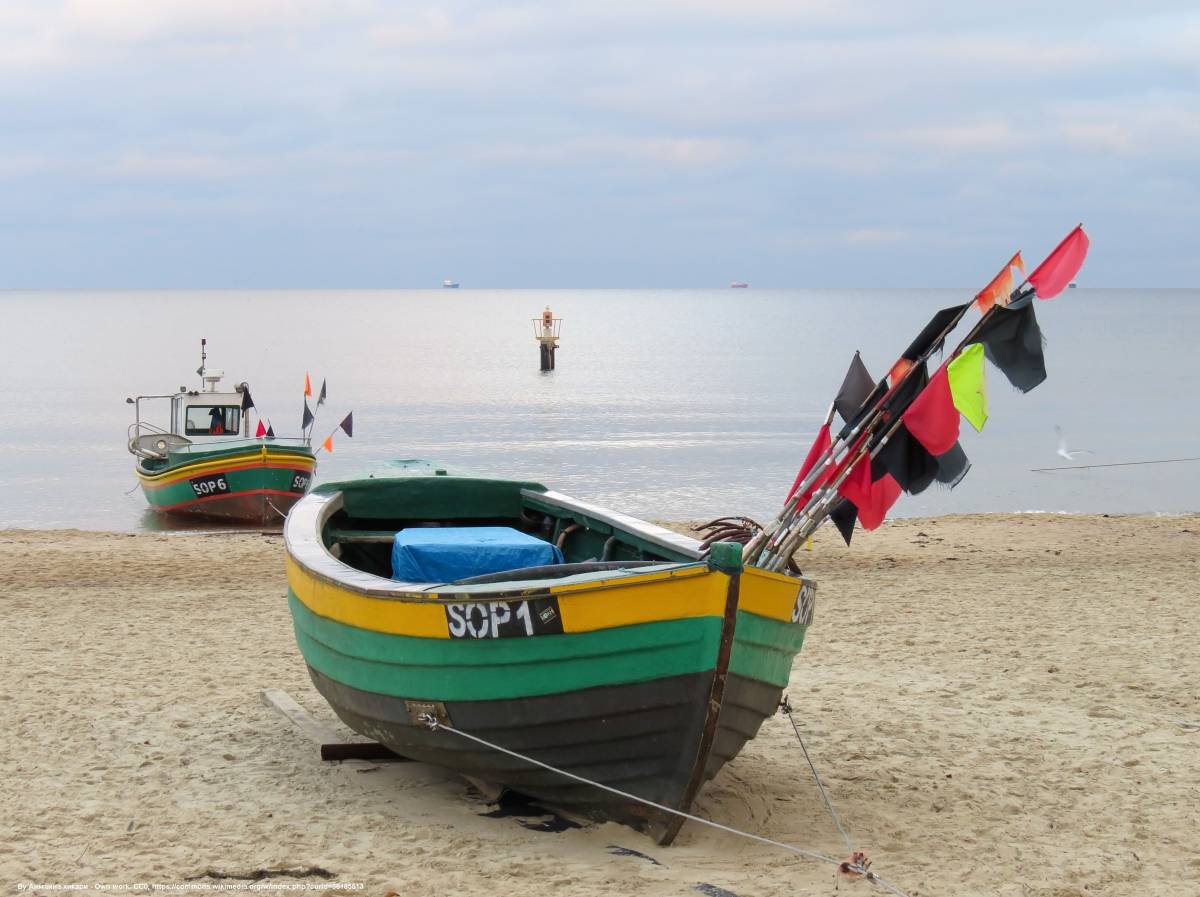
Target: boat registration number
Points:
(213, 484)
(504, 619)
(802, 610)
(300, 482)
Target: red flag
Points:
(819, 447)
(932, 417)
(262, 431)
(872, 499)
(1060, 267)
(307, 385)
(328, 443)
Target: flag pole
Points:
(784, 520)
(780, 538)
(782, 532)
(816, 510)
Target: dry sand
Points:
(997, 704)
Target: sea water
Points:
(665, 404)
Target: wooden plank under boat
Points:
(636, 663)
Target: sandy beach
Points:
(998, 704)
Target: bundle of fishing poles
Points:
(874, 420)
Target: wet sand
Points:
(997, 704)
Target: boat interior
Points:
(361, 523)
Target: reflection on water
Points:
(665, 404)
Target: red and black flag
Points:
(247, 402)
(270, 430)
(261, 431)
(308, 418)
(932, 418)
(906, 461)
(871, 498)
(1013, 342)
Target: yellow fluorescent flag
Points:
(307, 385)
(967, 386)
(328, 444)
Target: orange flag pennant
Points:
(307, 385)
(998, 291)
(328, 444)
(899, 370)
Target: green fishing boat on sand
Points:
(620, 654)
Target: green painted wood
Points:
(489, 669)
(764, 649)
(431, 498)
(276, 479)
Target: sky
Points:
(659, 143)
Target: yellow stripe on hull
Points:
(627, 600)
(300, 462)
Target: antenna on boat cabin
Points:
(208, 379)
(203, 358)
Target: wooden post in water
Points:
(546, 330)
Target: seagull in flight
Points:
(1063, 451)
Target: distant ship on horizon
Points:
(1072, 285)
(738, 285)
(450, 284)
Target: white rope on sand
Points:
(431, 721)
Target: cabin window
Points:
(212, 420)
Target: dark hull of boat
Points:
(644, 738)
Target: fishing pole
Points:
(767, 544)
(850, 433)
(788, 538)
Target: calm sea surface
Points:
(666, 404)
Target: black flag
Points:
(308, 417)
(844, 515)
(1013, 342)
(321, 397)
(270, 431)
(856, 388)
(952, 466)
(348, 424)
(868, 404)
(247, 402)
(934, 334)
(910, 463)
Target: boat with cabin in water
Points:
(204, 463)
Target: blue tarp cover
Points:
(445, 554)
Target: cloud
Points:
(639, 138)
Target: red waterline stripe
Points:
(229, 495)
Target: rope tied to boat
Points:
(785, 709)
(857, 865)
